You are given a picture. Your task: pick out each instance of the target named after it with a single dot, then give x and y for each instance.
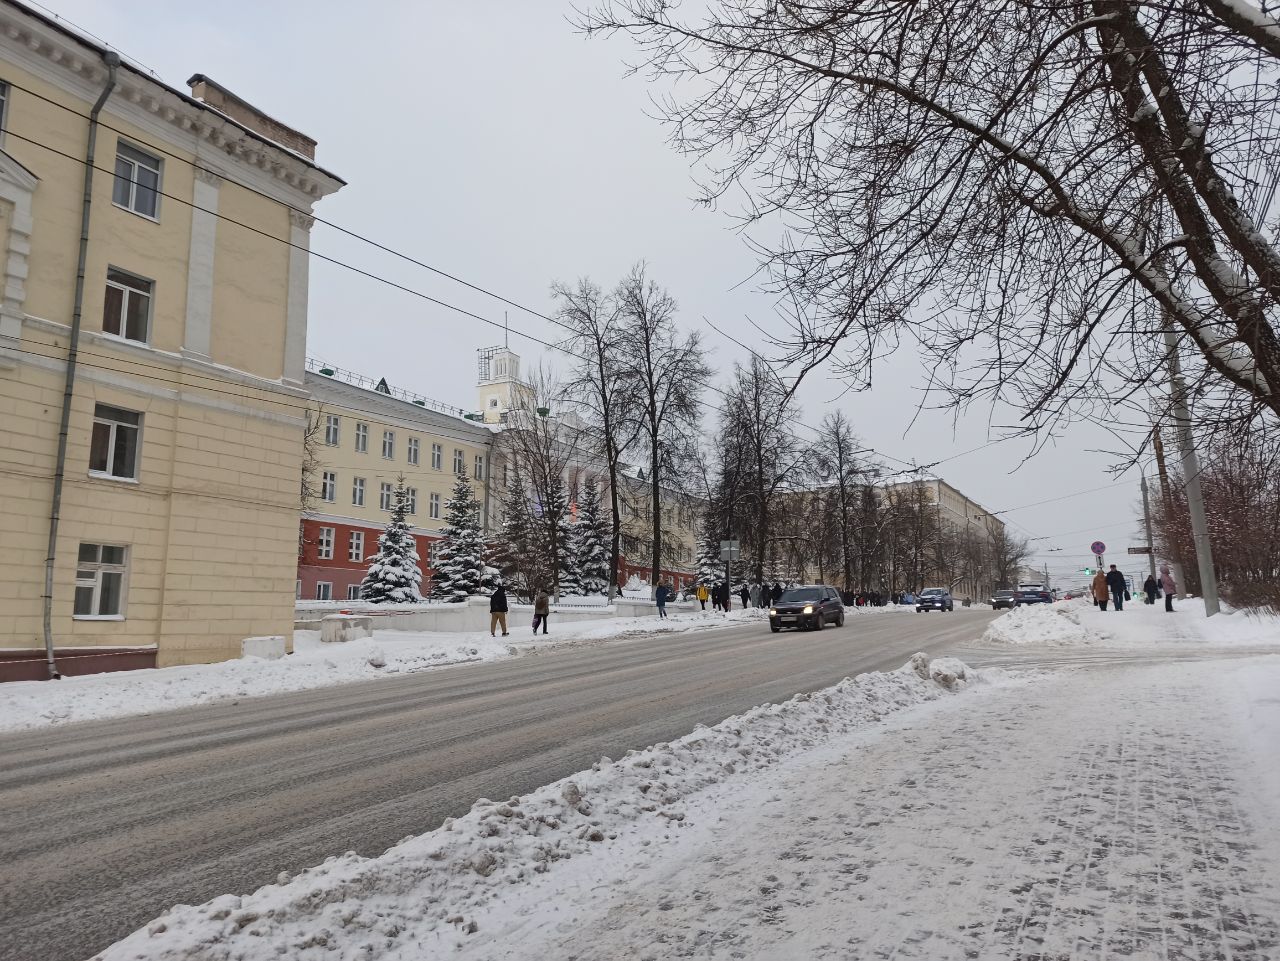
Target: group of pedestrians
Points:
(1111, 587)
(752, 595)
(499, 608)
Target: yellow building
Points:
(368, 436)
(177, 522)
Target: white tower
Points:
(499, 385)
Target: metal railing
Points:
(354, 379)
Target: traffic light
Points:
(1086, 570)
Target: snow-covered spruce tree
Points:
(592, 534)
(710, 567)
(461, 554)
(562, 537)
(394, 575)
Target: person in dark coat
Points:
(661, 596)
(746, 597)
(776, 592)
(498, 610)
(1115, 581)
(1151, 588)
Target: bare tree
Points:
(1024, 188)
(309, 493)
(1008, 552)
(597, 383)
(665, 373)
(843, 474)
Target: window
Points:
(384, 497)
(324, 544)
(479, 467)
(126, 306)
(414, 444)
(331, 423)
(4, 104)
(437, 457)
(137, 186)
(328, 486)
(435, 507)
(362, 438)
(357, 491)
(297, 590)
(100, 573)
(353, 592)
(324, 591)
(433, 553)
(389, 444)
(459, 462)
(355, 549)
(113, 446)
(506, 479)
(411, 500)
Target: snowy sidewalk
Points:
(1117, 812)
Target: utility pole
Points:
(1191, 475)
(1166, 498)
(1146, 515)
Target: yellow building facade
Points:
(177, 526)
(369, 435)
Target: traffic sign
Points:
(730, 550)
(1098, 548)
(1139, 550)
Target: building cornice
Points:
(73, 62)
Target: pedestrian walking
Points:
(661, 595)
(1169, 587)
(776, 592)
(746, 597)
(1151, 588)
(541, 611)
(498, 610)
(1099, 588)
(1115, 581)
(701, 595)
(755, 595)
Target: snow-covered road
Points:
(1117, 812)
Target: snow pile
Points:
(1082, 624)
(1057, 625)
(435, 883)
(33, 704)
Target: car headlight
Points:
(808, 609)
(773, 612)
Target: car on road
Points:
(1003, 599)
(1024, 597)
(935, 599)
(809, 608)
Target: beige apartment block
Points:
(179, 511)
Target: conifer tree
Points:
(710, 567)
(461, 555)
(561, 538)
(592, 534)
(394, 576)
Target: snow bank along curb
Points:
(1081, 624)
(374, 907)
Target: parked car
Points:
(935, 599)
(1033, 597)
(1003, 599)
(811, 608)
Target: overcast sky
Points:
(491, 141)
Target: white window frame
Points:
(437, 457)
(353, 592)
(478, 471)
(434, 507)
(411, 500)
(102, 415)
(389, 445)
(95, 570)
(415, 448)
(128, 293)
(329, 486)
(459, 461)
(4, 108)
(362, 438)
(332, 429)
(357, 491)
(135, 157)
(324, 544)
(355, 547)
(386, 496)
(324, 590)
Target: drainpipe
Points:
(112, 60)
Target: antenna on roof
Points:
(506, 331)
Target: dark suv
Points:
(1036, 596)
(935, 599)
(807, 607)
(1001, 599)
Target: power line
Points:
(409, 290)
